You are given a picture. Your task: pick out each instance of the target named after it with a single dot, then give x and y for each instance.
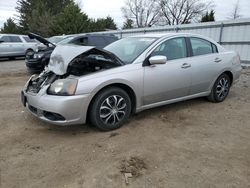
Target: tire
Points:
(28, 53)
(110, 109)
(220, 89)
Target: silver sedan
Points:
(128, 76)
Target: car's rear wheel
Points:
(220, 89)
(110, 109)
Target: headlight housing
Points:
(63, 87)
(38, 55)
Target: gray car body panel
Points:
(153, 86)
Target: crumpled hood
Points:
(63, 55)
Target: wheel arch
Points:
(230, 74)
(29, 49)
(128, 89)
(225, 71)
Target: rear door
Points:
(205, 61)
(17, 46)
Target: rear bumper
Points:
(59, 110)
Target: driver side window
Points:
(172, 49)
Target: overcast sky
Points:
(103, 8)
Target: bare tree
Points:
(235, 12)
(144, 13)
(176, 12)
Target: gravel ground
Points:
(188, 144)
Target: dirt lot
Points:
(189, 144)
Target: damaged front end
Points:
(51, 97)
(67, 63)
(36, 82)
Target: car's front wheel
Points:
(29, 53)
(220, 89)
(110, 109)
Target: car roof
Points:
(93, 35)
(166, 35)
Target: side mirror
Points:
(159, 59)
(1, 41)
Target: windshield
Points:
(65, 41)
(128, 49)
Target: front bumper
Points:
(35, 64)
(59, 110)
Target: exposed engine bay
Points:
(92, 61)
(64, 64)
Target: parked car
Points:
(37, 61)
(129, 75)
(12, 46)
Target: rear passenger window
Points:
(172, 49)
(201, 46)
(15, 39)
(5, 39)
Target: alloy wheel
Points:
(113, 109)
(222, 88)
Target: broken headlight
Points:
(63, 87)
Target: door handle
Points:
(185, 65)
(217, 60)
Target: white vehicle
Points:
(12, 46)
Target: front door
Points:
(168, 81)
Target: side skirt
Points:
(203, 94)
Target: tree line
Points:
(54, 17)
(57, 17)
(147, 13)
